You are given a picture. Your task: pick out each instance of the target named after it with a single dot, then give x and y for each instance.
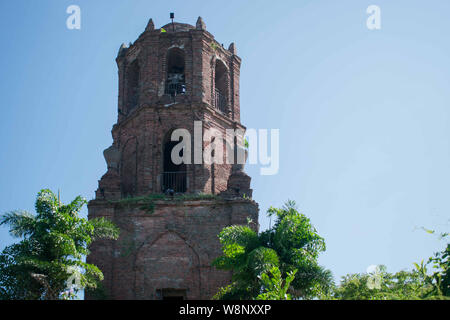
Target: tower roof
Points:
(177, 27)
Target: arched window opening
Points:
(174, 175)
(175, 82)
(132, 85)
(220, 87)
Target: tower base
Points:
(166, 245)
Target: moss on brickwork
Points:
(191, 197)
(129, 247)
(148, 202)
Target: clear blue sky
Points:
(364, 116)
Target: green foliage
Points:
(193, 197)
(416, 284)
(54, 242)
(98, 293)
(129, 246)
(147, 203)
(274, 288)
(246, 197)
(439, 280)
(289, 250)
(378, 286)
(214, 46)
(403, 285)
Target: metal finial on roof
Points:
(172, 16)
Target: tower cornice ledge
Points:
(202, 107)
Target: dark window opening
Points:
(132, 85)
(173, 298)
(174, 175)
(171, 294)
(175, 82)
(220, 87)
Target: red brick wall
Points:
(171, 248)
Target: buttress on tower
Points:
(170, 214)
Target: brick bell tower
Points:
(170, 214)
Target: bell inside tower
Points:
(175, 82)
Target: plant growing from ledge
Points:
(147, 203)
(246, 144)
(214, 46)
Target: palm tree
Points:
(53, 244)
(285, 253)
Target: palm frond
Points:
(21, 223)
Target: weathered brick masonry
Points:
(169, 78)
